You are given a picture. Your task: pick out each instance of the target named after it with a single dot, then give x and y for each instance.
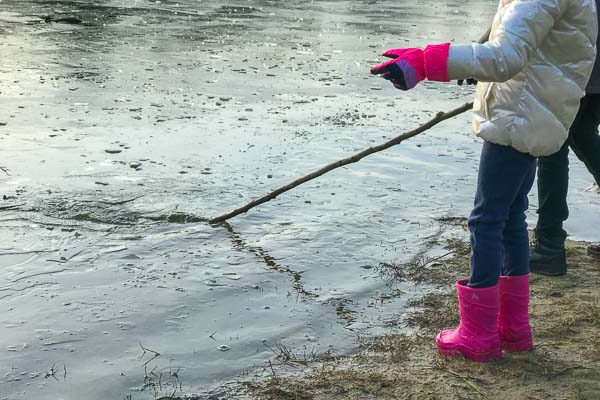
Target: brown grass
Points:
(565, 315)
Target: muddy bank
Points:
(565, 363)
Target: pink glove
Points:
(410, 66)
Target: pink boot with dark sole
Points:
(477, 337)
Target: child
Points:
(532, 73)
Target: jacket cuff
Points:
(436, 62)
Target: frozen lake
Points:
(121, 134)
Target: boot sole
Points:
(548, 269)
(460, 351)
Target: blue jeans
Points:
(499, 240)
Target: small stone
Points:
(224, 348)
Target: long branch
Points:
(441, 116)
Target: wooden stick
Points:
(441, 116)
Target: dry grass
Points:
(565, 315)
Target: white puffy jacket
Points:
(532, 72)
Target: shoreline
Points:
(565, 363)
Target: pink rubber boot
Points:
(477, 336)
(513, 315)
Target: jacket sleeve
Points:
(523, 27)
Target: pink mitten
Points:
(410, 66)
(405, 70)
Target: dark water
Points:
(123, 133)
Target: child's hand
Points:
(405, 70)
(412, 65)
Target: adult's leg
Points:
(583, 136)
(585, 142)
(553, 185)
(504, 175)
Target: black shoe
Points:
(546, 260)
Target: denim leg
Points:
(516, 239)
(505, 178)
(583, 136)
(553, 185)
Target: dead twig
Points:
(52, 372)
(273, 371)
(286, 356)
(146, 350)
(441, 116)
(121, 202)
(399, 272)
(11, 207)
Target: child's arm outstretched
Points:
(524, 26)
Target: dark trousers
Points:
(499, 241)
(553, 172)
